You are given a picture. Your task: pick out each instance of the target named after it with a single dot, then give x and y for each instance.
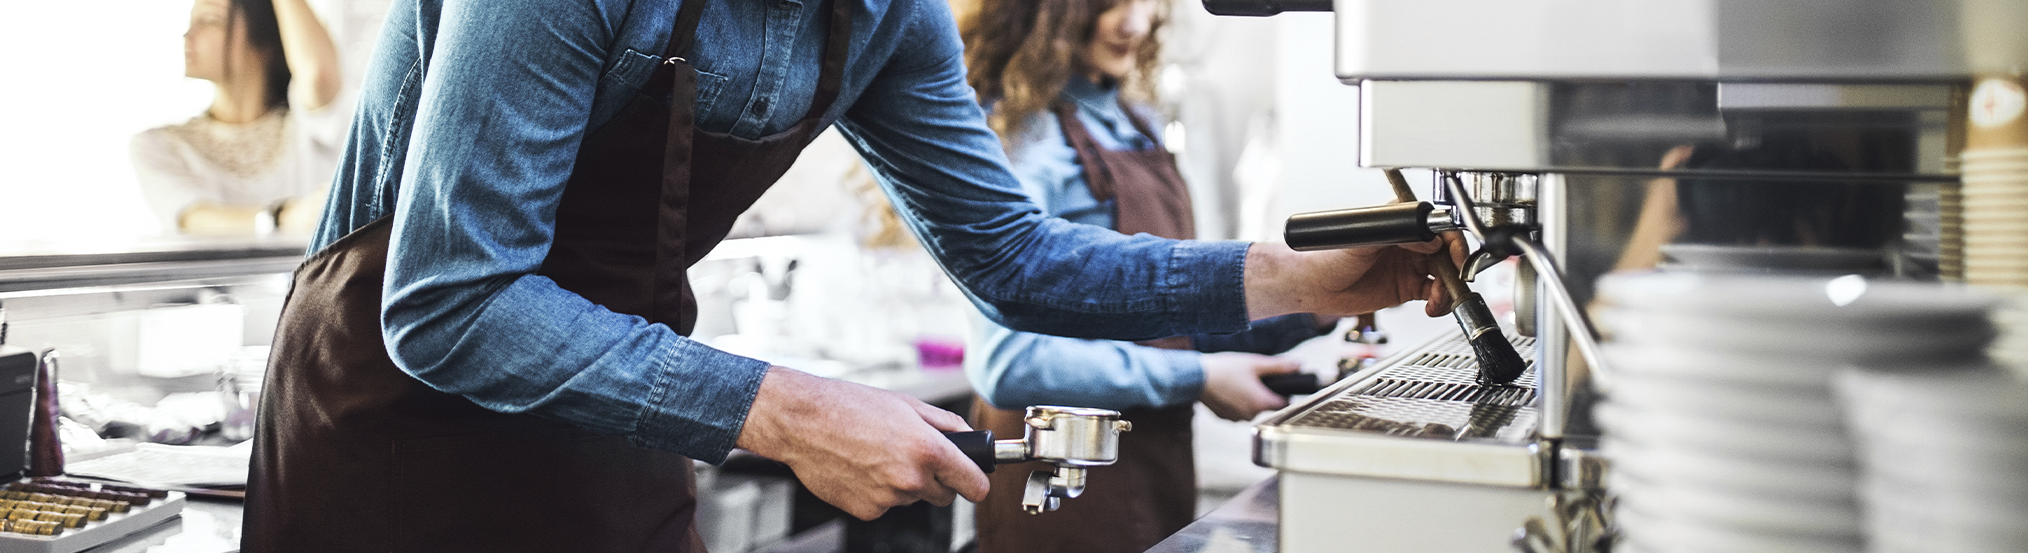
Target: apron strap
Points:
(684, 34)
(1096, 178)
(837, 48)
(681, 38)
(1140, 125)
(673, 213)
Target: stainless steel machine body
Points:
(1792, 129)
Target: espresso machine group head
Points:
(1503, 213)
(1070, 438)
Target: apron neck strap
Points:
(1097, 179)
(685, 33)
(837, 47)
(831, 78)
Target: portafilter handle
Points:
(1071, 438)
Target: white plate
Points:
(1946, 470)
(1986, 506)
(1940, 531)
(1761, 514)
(1980, 394)
(1722, 367)
(1668, 467)
(1727, 401)
(1805, 298)
(1720, 537)
(1774, 440)
(1829, 340)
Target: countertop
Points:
(213, 525)
(1248, 523)
(205, 526)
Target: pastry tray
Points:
(94, 534)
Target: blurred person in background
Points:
(261, 156)
(1068, 87)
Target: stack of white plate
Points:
(1945, 458)
(1721, 422)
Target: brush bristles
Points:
(1498, 363)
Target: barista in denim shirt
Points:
(470, 119)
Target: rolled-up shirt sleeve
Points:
(502, 110)
(919, 127)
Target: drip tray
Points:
(1419, 415)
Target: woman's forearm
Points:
(312, 56)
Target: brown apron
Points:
(1152, 491)
(355, 455)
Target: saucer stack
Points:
(1721, 421)
(1944, 457)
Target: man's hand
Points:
(860, 448)
(1346, 281)
(1232, 387)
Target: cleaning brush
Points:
(1498, 362)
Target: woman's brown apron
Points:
(355, 455)
(1152, 491)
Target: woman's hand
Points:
(1232, 387)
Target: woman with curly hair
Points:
(1067, 84)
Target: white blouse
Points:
(285, 154)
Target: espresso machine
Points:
(1819, 135)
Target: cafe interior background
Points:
(163, 336)
(854, 304)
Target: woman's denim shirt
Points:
(1013, 369)
(469, 122)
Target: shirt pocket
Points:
(634, 68)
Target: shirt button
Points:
(760, 106)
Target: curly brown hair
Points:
(1020, 53)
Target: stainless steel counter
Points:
(1248, 523)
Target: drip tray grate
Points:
(1434, 394)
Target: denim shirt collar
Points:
(1100, 103)
(1090, 96)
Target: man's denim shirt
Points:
(470, 119)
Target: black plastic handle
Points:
(1396, 223)
(1292, 384)
(1263, 8)
(977, 446)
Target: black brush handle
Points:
(1292, 384)
(977, 445)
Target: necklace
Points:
(244, 150)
